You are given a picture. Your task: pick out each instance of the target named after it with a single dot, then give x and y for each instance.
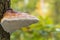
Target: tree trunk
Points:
(4, 5)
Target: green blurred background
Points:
(48, 27)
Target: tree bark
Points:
(4, 5)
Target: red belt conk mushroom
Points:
(13, 21)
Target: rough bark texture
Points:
(4, 35)
(4, 5)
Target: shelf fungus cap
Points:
(16, 20)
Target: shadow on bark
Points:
(4, 5)
(3, 34)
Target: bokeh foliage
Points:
(22, 6)
(39, 31)
(45, 28)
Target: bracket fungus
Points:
(13, 21)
